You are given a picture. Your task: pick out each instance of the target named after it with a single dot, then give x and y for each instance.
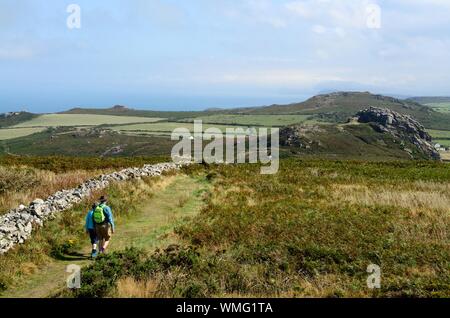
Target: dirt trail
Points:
(151, 228)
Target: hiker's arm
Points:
(111, 219)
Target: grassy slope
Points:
(170, 202)
(12, 133)
(59, 142)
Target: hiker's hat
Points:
(103, 199)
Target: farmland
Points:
(11, 133)
(253, 120)
(440, 107)
(56, 120)
(164, 128)
(439, 134)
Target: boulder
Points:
(403, 127)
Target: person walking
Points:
(90, 230)
(104, 223)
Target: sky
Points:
(196, 54)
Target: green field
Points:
(253, 120)
(439, 134)
(440, 107)
(11, 133)
(55, 120)
(165, 128)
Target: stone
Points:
(401, 126)
(37, 201)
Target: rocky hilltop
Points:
(376, 133)
(400, 126)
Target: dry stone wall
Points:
(17, 225)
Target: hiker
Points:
(104, 223)
(90, 229)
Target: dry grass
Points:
(183, 199)
(38, 184)
(428, 198)
(131, 288)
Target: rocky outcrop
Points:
(299, 136)
(17, 225)
(401, 126)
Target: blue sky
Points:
(194, 54)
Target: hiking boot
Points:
(94, 253)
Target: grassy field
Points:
(11, 133)
(56, 120)
(254, 120)
(440, 107)
(439, 134)
(87, 143)
(166, 128)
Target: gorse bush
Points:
(100, 277)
